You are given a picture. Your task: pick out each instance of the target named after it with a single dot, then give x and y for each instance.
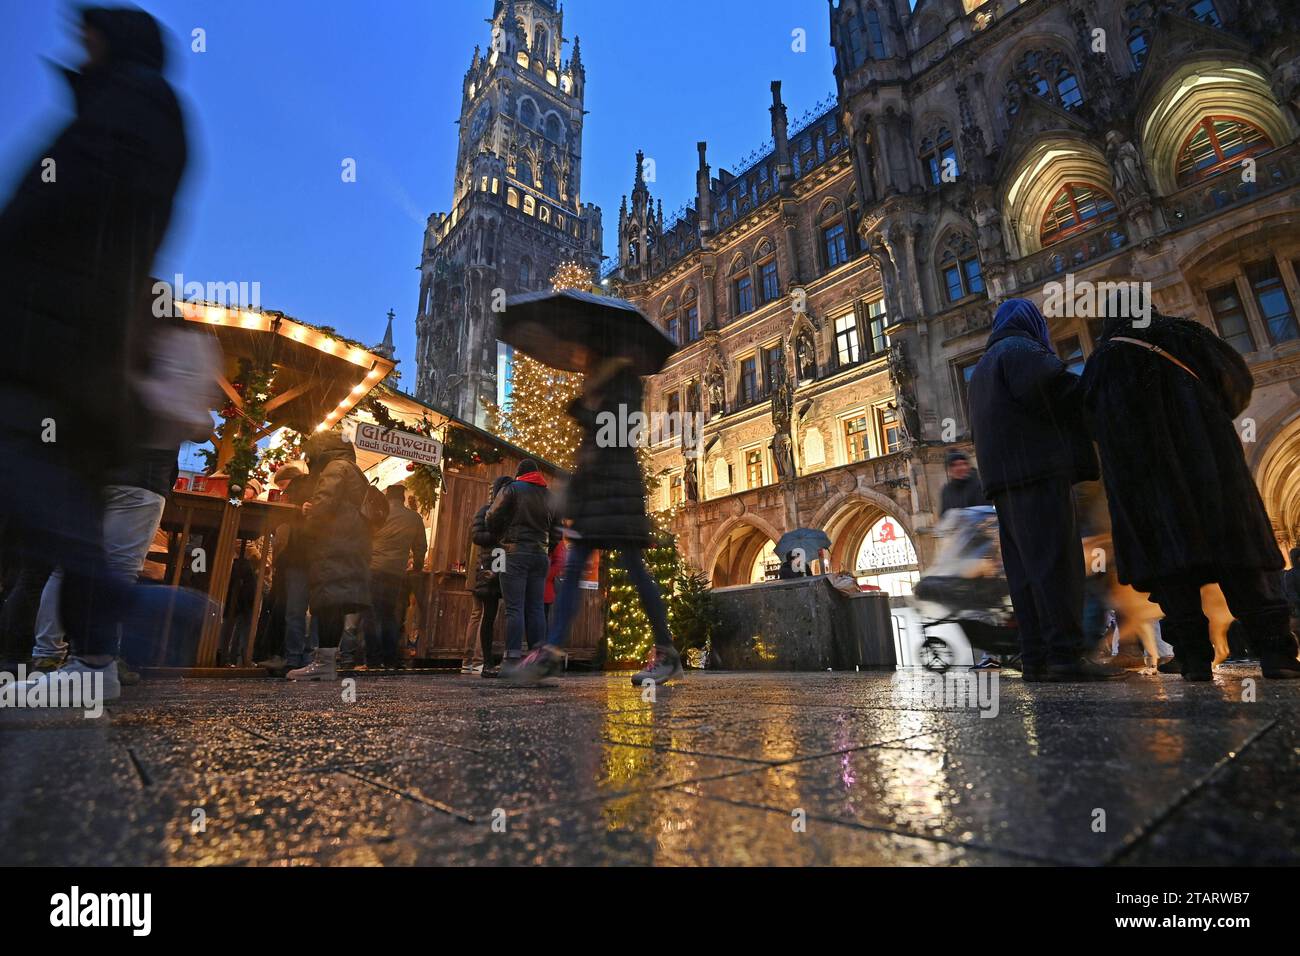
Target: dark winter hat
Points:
(955, 455)
(501, 482)
(396, 491)
(132, 35)
(525, 466)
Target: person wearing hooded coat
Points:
(337, 538)
(1033, 446)
(1184, 508)
(606, 502)
(486, 591)
(78, 239)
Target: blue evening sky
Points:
(288, 88)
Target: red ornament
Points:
(410, 466)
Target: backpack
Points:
(374, 508)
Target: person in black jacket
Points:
(78, 239)
(962, 489)
(1033, 446)
(606, 502)
(1184, 508)
(486, 590)
(523, 521)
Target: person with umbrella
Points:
(606, 503)
(613, 344)
(798, 549)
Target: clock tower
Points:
(516, 209)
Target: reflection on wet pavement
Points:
(721, 769)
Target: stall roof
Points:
(319, 377)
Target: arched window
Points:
(742, 287)
(671, 322)
(875, 34)
(1074, 208)
(550, 182)
(541, 46)
(691, 315)
(525, 171)
(939, 157)
(959, 268)
(554, 128)
(528, 114)
(833, 231)
(1030, 75)
(857, 50)
(512, 197)
(530, 205)
(544, 213)
(1217, 143)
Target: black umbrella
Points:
(809, 541)
(573, 331)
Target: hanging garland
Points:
(240, 426)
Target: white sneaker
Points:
(321, 668)
(471, 668)
(52, 685)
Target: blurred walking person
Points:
(523, 520)
(337, 538)
(962, 489)
(77, 243)
(1033, 446)
(1184, 508)
(606, 503)
(477, 657)
(399, 540)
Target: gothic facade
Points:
(516, 209)
(832, 296)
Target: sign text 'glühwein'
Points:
(398, 444)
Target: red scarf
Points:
(532, 477)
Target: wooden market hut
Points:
(439, 615)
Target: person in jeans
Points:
(291, 562)
(606, 503)
(522, 519)
(477, 657)
(134, 501)
(400, 538)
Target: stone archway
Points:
(1277, 473)
(851, 517)
(736, 548)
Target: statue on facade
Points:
(903, 380)
(805, 356)
(1126, 169)
(782, 446)
(690, 480)
(717, 393)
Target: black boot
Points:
(1192, 648)
(1277, 658)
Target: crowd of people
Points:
(1157, 402)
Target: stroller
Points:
(965, 586)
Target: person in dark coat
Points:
(1291, 589)
(337, 537)
(486, 589)
(523, 520)
(963, 489)
(606, 503)
(401, 539)
(1184, 508)
(78, 239)
(1033, 445)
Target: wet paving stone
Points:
(743, 769)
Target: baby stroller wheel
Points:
(936, 655)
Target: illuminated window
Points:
(891, 430)
(754, 468)
(676, 492)
(856, 431)
(846, 339)
(512, 197)
(1075, 207)
(1217, 143)
(1230, 318)
(530, 205)
(1271, 298)
(544, 213)
(877, 322)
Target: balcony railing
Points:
(1273, 171)
(1070, 254)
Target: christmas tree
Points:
(628, 634)
(535, 416)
